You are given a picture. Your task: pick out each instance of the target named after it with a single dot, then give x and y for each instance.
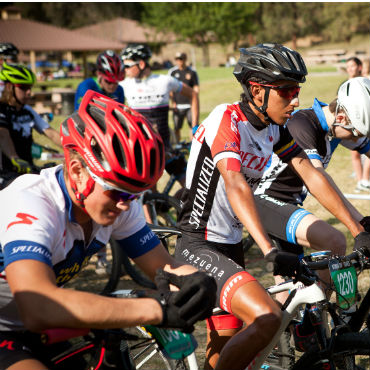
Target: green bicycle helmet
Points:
(17, 74)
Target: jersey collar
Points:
(317, 107)
(60, 178)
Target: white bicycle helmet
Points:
(354, 98)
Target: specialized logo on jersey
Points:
(24, 218)
(253, 161)
(202, 190)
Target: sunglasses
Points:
(129, 65)
(111, 191)
(24, 87)
(109, 82)
(288, 92)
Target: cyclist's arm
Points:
(6, 144)
(42, 304)
(158, 257)
(240, 196)
(193, 95)
(354, 212)
(53, 135)
(321, 189)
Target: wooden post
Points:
(33, 61)
(84, 62)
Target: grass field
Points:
(219, 86)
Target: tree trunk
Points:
(205, 54)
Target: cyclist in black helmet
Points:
(8, 53)
(229, 153)
(149, 93)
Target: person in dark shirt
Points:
(181, 104)
(17, 119)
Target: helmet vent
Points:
(143, 129)
(98, 102)
(138, 157)
(122, 120)
(119, 152)
(152, 162)
(79, 124)
(161, 152)
(368, 91)
(99, 154)
(98, 116)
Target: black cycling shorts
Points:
(18, 346)
(179, 117)
(225, 262)
(280, 220)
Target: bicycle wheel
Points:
(351, 352)
(116, 267)
(283, 355)
(146, 353)
(162, 208)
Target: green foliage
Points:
(74, 15)
(202, 22)
(342, 20)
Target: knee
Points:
(337, 243)
(267, 325)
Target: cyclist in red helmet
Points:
(110, 72)
(57, 220)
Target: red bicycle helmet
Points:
(116, 143)
(110, 65)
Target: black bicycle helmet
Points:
(136, 52)
(8, 50)
(269, 63)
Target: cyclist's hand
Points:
(362, 242)
(285, 264)
(365, 222)
(21, 166)
(193, 302)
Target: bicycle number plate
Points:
(174, 343)
(345, 280)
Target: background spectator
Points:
(181, 104)
(360, 163)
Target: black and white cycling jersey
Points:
(226, 133)
(310, 130)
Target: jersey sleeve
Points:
(286, 147)
(85, 85)
(195, 78)
(4, 117)
(305, 134)
(362, 145)
(174, 84)
(27, 229)
(222, 134)
(40, 124)
(140, 242)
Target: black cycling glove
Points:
(362, 242)
(365, 222)
(193, 302)
(285, 264)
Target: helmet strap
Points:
(262, 109)
(80, 196)
(15, 96)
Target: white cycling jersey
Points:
(37, 223)
(151, 92)
(226, 133)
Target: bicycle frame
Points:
(299, 295)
